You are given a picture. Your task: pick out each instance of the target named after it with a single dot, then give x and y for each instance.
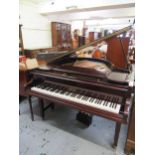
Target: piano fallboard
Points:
(83, 82)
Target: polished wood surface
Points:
(115, 52)
(91, 36)
(130, 140)
(22, 82)
(81, 40)
(94, 36)
(61, 36)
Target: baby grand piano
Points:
(94, 86)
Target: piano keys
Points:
(107, 103)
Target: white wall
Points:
(36, 29)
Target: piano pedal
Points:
(84, 118)
(52, 106)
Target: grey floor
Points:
(61, 134)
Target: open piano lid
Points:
(57, 55)
(66, 62)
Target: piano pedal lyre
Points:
(52, 105)
(84, 118)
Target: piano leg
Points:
(41, 103)
(117, 131)
(31, 110)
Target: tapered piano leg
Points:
(117, 131)
(41, 103)
(31, 110)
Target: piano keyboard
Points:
(108, 103)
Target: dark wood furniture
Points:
(24, 79)
(32, 53)
(117, 52)
(130, 140)
(61, 36)
(22, 73)
(91, 36)
(81, 41)
(22, 82)
(94, 36)
(84, 83)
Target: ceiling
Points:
(99, 11)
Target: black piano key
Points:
(51, 89)
(107, 100)
(73, 94)
(96, 100)
(113, 106)
(106, 103)
(67, 93)
(76, 95)
(87, 98)
(110, 100)
(91, 100)
(63, 92)
(83, 98)
(57, 90)
(100, 101)
(42, 86)
(60, 91)
(47, 88)
(103, 102)
(110, 104)
(80, 96)
(116, 99)
(114, 103)
(38, 86)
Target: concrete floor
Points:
(61, 134)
